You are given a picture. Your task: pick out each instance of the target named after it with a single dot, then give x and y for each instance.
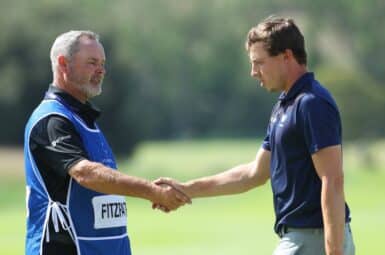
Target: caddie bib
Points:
(95, 221)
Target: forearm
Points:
(333, 209)
(236, 180)
(97, 177)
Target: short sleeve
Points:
(56, 145)
(266, 140)
(321, 123)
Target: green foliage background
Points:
(178, 69)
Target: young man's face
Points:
(269, 70)
(86, 68)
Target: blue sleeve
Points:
(321, 123)
(266, 141)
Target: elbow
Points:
(262, 176)
(82, 178)
(261, 180)
(257, 178)
(83, 173)
(253, 183)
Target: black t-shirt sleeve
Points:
(56, 145)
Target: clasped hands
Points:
(172, 196)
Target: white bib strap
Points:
(59, 214)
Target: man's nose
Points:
(254, 72)
(101, 70)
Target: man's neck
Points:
(294, 74)
(70, 89)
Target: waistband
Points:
(285, 229)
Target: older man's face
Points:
(86, 68)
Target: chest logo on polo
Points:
(109, 211)
(282, 120)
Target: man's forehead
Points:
(89, 42)
(257, 50)
(90, 46)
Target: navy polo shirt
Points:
(303, 121)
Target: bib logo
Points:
(109, 211)
(114, 210)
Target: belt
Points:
(285, 229)
(282, 231)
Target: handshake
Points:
(170, 195)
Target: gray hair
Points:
(67, 44)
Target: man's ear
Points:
(288, 54)
(62, 63)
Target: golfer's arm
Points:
(328, 164)
(98, 177)
(235, 180)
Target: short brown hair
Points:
(278, 34)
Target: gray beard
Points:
(90, 91)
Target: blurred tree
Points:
(178, 69)
(360, 100)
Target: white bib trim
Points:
(102, 238)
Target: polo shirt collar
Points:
(297, 87)
(86, 109)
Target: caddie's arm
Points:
(98, 177)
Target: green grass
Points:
(187, 159)
(239, 224)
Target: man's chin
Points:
(93, 90)
(269, 89)
(265, 87)
(95, 93)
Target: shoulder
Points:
(316, 97)
(309, 100)
(58, 121)
(52, 121)
(51, 126)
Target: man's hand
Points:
(170, 197)
(174, 195)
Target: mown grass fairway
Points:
(239, 224)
